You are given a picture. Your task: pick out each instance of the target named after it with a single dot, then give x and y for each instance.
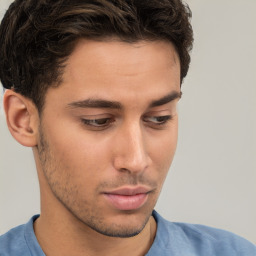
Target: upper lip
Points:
(129, 191)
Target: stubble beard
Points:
(67, 194)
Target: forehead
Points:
(123, 57)
(121, 71)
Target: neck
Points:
(59, 237)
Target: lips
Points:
(127, 198)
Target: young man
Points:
(92, 87)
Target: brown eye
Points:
(101, 122)
(157, 120)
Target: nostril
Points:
(131, 164)
(123, 170)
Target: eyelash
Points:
(103, 123)
(161, 120)
(106, 122)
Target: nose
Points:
(131, 150)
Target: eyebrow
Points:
(95, 103)
(166, 99)
(101, 103)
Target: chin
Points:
(124, 224)
(122, 230)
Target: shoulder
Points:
(13, 242)
(193, 239)
(18, 240)
(217, 240)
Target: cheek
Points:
(78, 153)
(163, 147)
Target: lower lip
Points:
(123, 202)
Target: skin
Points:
(79, 161)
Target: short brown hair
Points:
(37, 36)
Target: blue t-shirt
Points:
(172, 239)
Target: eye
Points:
(157, 120)
(98, 123)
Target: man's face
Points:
(108, 134)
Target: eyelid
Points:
(165, 119)
(96, 116)
(97, 123)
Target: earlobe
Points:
(21, 117)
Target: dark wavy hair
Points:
(37, 36)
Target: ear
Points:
(22, 118)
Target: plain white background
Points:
(212, 179)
